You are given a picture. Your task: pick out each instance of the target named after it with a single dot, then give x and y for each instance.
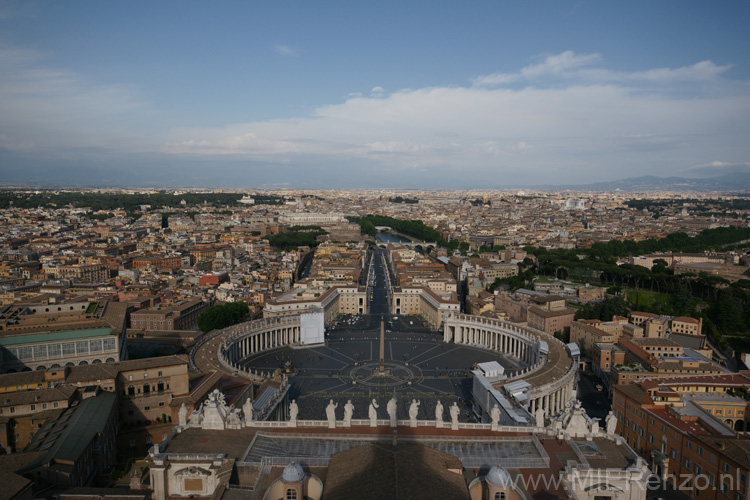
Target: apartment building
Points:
(424, 302)
(182, 315)
(549, 314)
(74, 449)
(658, 326)
(84, 272)
(587, 332)
(686, 428)
(309, 296)
(147, 386)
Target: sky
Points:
(393, 94)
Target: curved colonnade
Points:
(252, 337)
(551, 370)
(550, 373)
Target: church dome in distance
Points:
(499, 477)
(294, 474)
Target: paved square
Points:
(419, 365)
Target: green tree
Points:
(726, 313)
(222, 316)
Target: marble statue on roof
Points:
(233, 419)
(182, 415)
(455, 411)
(611, 422)
(495, 416)
(373, 413)
(594, 425)
(439, 414)
(331, 414)
(348, 413)
(196, 418)
(413, 411)
(293, 412)
(391, 407)
(247, 410)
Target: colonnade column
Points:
(556, 400)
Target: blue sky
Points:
(380, 94)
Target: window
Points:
(33, 407)
(689, 444)
(40, 352)
(132, 443)
(727, 468)
(499, 495)
(291, 494)
(54, 404)
(700, 451)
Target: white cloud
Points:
(285, 50)
(588, 121)
(585, 68)
(560, 64)
(576, 130)
(719, 168)
(557, 65)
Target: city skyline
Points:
(422, 95)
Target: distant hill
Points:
(736, 182)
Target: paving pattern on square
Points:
(419, 365)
